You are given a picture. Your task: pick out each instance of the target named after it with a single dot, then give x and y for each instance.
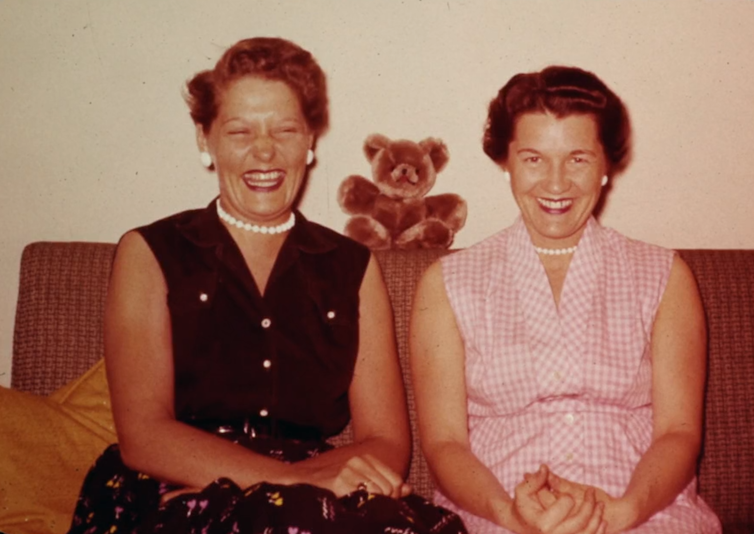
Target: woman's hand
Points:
(177, 493)
(618, 513)
(540, 511)
(358, 472)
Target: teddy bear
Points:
(393, 211)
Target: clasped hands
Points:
(545, 503)
(362, 471)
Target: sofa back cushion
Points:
(58, 336)
(61, 300)
(726, 472)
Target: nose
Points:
(557, 180)
(263, 147)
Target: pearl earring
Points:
(507, 176)
(309, 157)
(205, 158)
(604, 180)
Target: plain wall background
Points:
(95, 138)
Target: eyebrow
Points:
(572, 152)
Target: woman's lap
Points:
(114, 496)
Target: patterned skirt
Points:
(116, 499)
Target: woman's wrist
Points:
(621, 514)
(502, 514)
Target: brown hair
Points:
(561, 91)
(269, 58)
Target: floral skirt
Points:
(115, 499)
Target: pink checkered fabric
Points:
(569, 386)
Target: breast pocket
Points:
(337, 314)
(192, 295)
(339, 322)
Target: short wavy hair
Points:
(561, 91)
(265, 57)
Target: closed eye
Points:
(286, 131)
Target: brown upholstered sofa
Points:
(58, 336)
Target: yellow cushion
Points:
(47, 445)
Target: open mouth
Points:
(555, 206)
(264, 181)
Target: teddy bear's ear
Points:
(373, 144)
(437, 152)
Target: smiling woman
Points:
(258, 145)
(557, 167)
(559, 366)
(239, 337)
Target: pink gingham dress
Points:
(568, 386)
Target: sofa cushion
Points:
(67, 431)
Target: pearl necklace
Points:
(279, 229)
(556, 251)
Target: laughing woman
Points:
(559, 366)
(240, 336)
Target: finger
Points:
(546, 497)
(556, 514)
(393, 478)
(596, 524)
(175, 493)
(581, 518)
(362, 472)
(406, 489)
(561, 485)
(533, 482)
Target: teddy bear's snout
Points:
(405, 173)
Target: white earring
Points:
(507, 176)
(309, 157)
(205, 158)
(604, 180)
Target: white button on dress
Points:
(263, 412)
(266, 323)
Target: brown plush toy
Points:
(393, 211)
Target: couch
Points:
(58, 337)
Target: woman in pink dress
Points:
(559, 366)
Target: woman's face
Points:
(258, 143)
(556, 167)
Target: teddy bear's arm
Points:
(449, 208)
(356, 195)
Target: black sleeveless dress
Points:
(270, 372)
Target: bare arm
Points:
(437, 368)
(138, 352)
(679, 339)
(679, 352)
(380, 452)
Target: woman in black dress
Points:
(239, 337)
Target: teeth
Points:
(269, 176)
(555, 204)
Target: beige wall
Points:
(95, 138)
